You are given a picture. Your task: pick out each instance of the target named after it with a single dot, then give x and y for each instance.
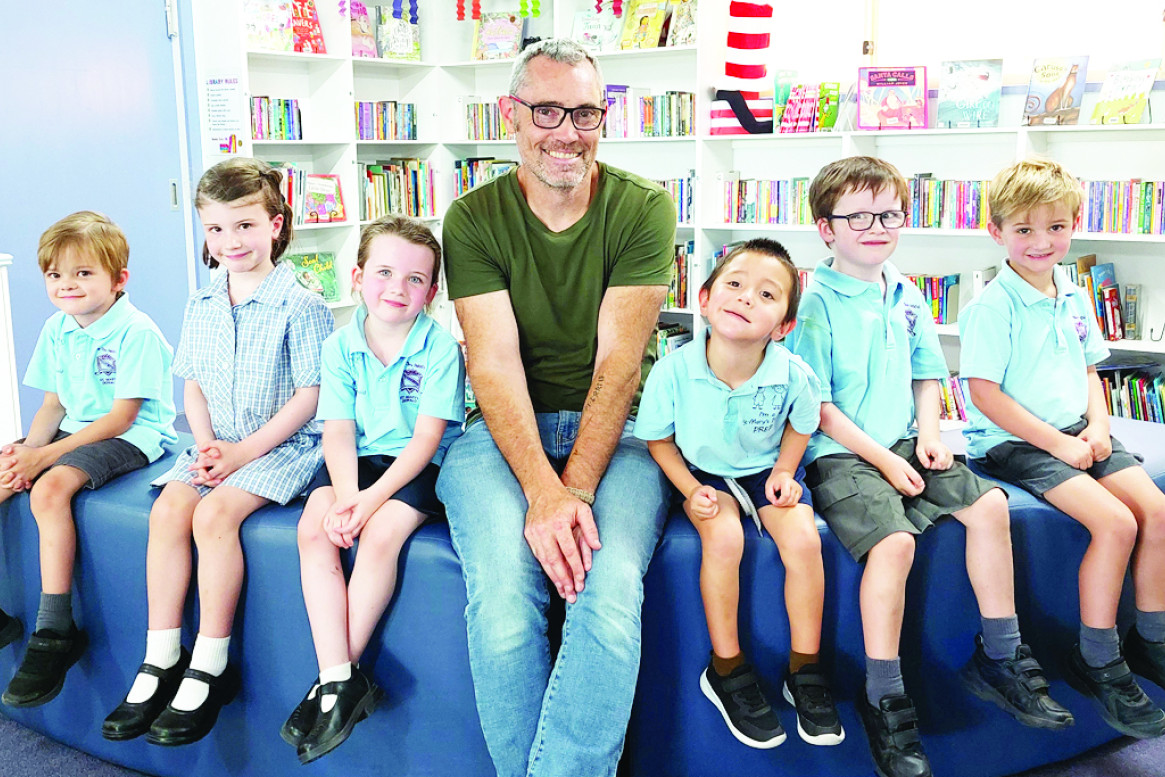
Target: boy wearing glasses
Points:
(878, 481)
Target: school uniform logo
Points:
(1081, 327)
(766, 406)
(105, 366)
(911, 318)
(410, 382)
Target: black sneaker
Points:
(10, 629)
(41, 673)
(892, 728)
(743, 706)
(817, 721)
(1145, 658)
(1122, 703)
(1016, 685)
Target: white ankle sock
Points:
(163, 649)
(333, 674)
(210, 656)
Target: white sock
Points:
(334, 674)
(163, 649)
(210, 656)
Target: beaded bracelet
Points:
(585, 496)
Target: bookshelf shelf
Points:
(662, 52)
(389, 67)
(276, 57)
(324, 225)
(675, 139)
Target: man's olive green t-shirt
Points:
(556, 280)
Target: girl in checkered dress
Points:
(250, 357)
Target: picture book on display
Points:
(642, 23)
(1125, 92)
(363, 38)
(269, 25)
(968, 93)
(1055, 91)
(597, 31)
(892, 98)
(317, 273)
(682, 31)
(498, 35)
(305, 23)
(322, 200)
(397, 38)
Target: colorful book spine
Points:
(752, 201)
(680, 190)
(386, 120)
(400, 186)
(274, 118)
(941, 293)
(1133, 207)
(942, 204)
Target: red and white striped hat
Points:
(749, 25)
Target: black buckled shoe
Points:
(1016, 685)
(10, 631)
(302, 718)
(817, 720)
(356, 698)
(41, 674)
(183, 727)
(132, 719)
(1145, 658)
(1122, 703)
(892, 728)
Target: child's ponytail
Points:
(241, 178)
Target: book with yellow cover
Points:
(642, 24)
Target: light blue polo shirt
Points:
(723, 431)
(1038, 349)
(427, 377)
(865, 349)
(122, 355)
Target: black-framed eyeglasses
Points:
(860, 222)
(583, 117)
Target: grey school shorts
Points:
(103, 460)
(420, 493)
(1034, 469)
(862, 508)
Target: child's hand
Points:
(1098, 440)
(352, 514)
(200, 469)
(934, 454)
(782, 489)
(901, 475)
(222, 459)
(703, 504)
(21, 464)
(1073, 451)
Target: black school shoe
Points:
(183, 727)
(743, 706)
(302, 718)
(1016, 685)
(41, 673)
(356, 698)
(1145, 658)
(132, 719)
(892, 728)
(10, 629)
(1122, 703)
(817, 719)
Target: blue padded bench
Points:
(675, 731)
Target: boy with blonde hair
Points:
(878, 481)
(1038, 419)
(108, 409)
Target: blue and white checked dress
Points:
(248, 361)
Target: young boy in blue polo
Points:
(766, 404)
(879, 473)
(108, 409)
(1030, 346)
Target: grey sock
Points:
(883, 678)
(1099, 647)
(1000, 637)
(1151, 625)
(56, 612)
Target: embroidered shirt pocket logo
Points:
(410, 382)
(105, 366)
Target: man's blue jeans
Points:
(570, 719)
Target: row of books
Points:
(314, 198)
(806, 107)
(953, 405)
(386, 120)
(1125, 207)
(752, 201)
(634, 112)
(397, 186)
(941, 292)
(1134, 392)
(1117, 320)
(677, 292)
(644, 24)
(385, 31)
(283, 25)
(680, 190)
(483, 121)
(471, 172)
(947, 204)
(273, 118)
(668, 337)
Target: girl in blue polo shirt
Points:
(392, 400)
(767, 405)
(250, 357)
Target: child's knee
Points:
(52, 495)
(213, 522)
(1118, 527)
(723, 539)
(802, 544)
(1151, 533)
(991, 513)
(895, 551)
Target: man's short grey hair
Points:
(562, 50)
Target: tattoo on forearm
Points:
(595, 391)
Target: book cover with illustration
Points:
(892, 98)
(397, 38)
(968, 93)
(1125, 92)
(1055, 91)
(498, 35)
(642, 24)
(269, 25)
(682, 31)
(597, 31)
(317, 273)
(322, 199)
(363, 38)
(305, 23)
